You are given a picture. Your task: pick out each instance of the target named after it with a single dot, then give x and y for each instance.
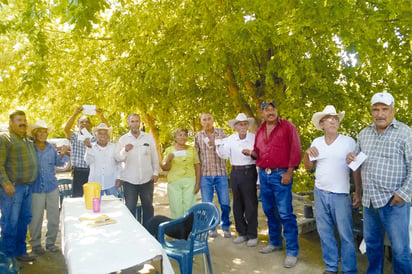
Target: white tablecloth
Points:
(106, 248)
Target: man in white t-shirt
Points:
(333, 204)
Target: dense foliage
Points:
(172, 60)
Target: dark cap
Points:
(265, 104)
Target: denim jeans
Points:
(277, 205)
(15, 217)
(131, 195)
(335, 210)
(208, 184)
(395, 221)
(112, 191)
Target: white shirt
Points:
(232, 147)
(332, 171)
(104, 168)
(141, 162)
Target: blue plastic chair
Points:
(205, 218)
(65, 189)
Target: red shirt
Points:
(282, 148)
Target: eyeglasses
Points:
(330, 119)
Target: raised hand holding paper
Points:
(360, 158)
(89, 109)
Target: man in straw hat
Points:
(18, 170)
(278, 153)
(100, 156)
(333, 204)
(387, 184)
(238, 147)
(45, 188)
(78, 149)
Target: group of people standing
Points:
(383, 183)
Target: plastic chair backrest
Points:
(206, 218)
(65, 189)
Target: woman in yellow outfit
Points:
(182, 162)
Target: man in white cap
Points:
(238, 148)
(386, 178)
(45, 188)
(333, 205)
(101, 157)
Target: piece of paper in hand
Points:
(84, 134)
(179, 153)
(89, 109)
(360, 158)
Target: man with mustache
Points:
(18, 170)
(386, 179)
(278, 153)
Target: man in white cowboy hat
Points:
(333, 204)
(17, 173)
(78, 148)
(386, 183)
(238, 147)
(45, 188)
(278, 153)
(100, 156)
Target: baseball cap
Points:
(383, 97)
(265, 104)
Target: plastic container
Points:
(91, 190)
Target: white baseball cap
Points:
(384, 98)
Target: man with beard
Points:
(18, 170)
(277, 152)
(78, 149)
(137, 150)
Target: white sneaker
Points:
(239, 239)
(252, 242)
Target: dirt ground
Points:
(226, 256)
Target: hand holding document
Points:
(360, 158)
(84, 134)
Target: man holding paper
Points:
(183, 166)
(333, 205)
(386, 177)
(238, 148)
(78, 148)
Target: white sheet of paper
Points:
(89, 109)
(84, 134)
(206, 140)
(179, 153)
(218, 141)
(360, 158)
(320, 156)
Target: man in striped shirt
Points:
(386, 178)
(18, 170)
(214, 170)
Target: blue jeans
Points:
(208, 184)
(335, 210)
(277, 205)
(15, 217)
(112, 191)
(395, 221)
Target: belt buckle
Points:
(268, 171)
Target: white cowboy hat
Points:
(102, 126)
(241, 117)
(328, 110)
(38, 124)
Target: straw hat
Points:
(241, 117)
(328, 110)
(38, 124)
(104, 127)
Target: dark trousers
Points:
(80, 177)
(245, 203)
(145, 192)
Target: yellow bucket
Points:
(91, 190)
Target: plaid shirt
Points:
(18, 162)
(78, 149)
(388, 168)
(211, 163)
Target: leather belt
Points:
(271, 170)
(243, 167)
